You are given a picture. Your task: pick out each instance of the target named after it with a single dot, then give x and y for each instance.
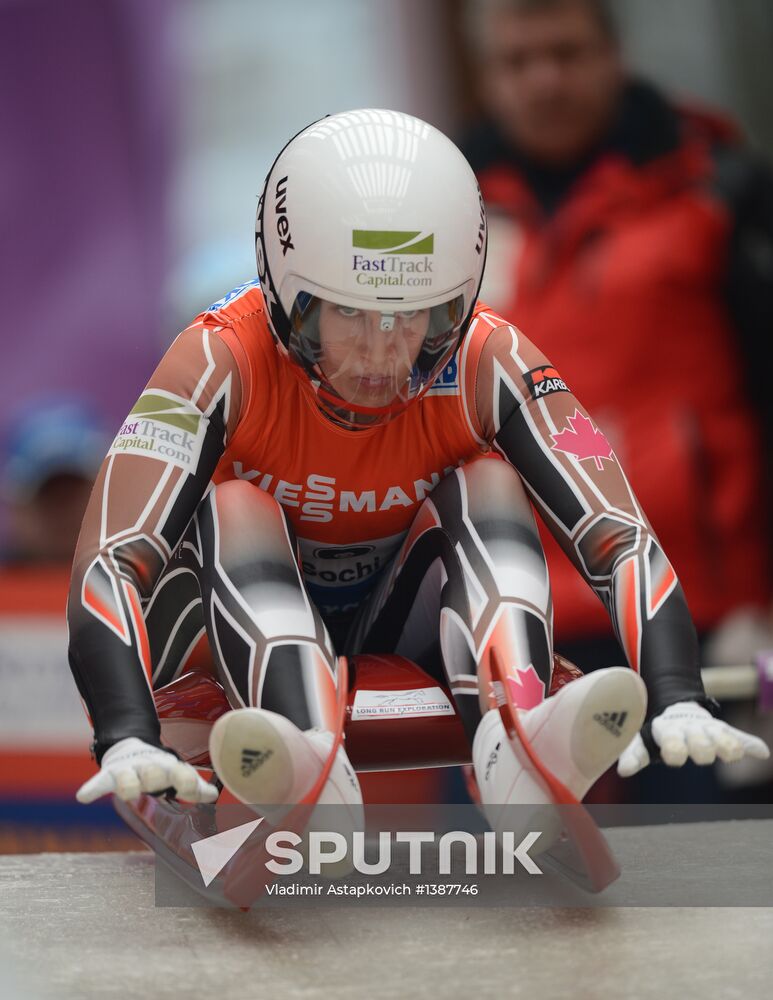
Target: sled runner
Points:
(393, 716)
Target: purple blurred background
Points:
(88, 109)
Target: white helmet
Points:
(370, 242)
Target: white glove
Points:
(688, 730)
(132, 766)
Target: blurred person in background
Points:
(632, 237)
(53, 452)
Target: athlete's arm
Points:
(532, 418)
(147, 490)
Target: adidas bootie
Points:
(263, 758)
(577, 734)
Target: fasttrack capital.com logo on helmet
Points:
(393, 258)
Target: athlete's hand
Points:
(688, 730)
(132, 766)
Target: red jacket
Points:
(622, 285)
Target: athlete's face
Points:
(364, 360)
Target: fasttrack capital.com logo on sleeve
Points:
(163, 426)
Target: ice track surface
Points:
(86, 926)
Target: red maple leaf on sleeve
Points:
(583, 440)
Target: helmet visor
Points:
(368, 364)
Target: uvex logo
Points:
(282, 224)
(481, 241)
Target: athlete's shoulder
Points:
(243, 302)
(496, 352)
(483, 323)
(487, 333)
(496, 338)
(239, 318)
(485, 319)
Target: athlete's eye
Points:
(348, 311)
(409, 314)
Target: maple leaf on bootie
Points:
(582, 440)
(527, 690)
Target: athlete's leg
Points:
(269, 645)
(174, 617)
(235, 575)
(471, 575)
